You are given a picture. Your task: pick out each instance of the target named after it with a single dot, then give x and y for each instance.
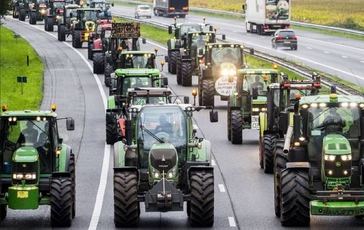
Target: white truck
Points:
(266, 16)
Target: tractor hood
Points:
(25, 155)
(336, 144)
(163, 156)
(261, 100)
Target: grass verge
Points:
(13, 63)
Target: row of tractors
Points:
(311, 141)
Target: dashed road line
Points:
(221, 188)
(213, 162)
(232, 222)
(344, 56)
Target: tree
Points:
(4, 6)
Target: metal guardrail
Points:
(303, 71)
(240, 14)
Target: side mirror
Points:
(112, 4)
(70, 124)
(144, 41)
(223, 37)
(113, 83)
(243, 7)
(211, 28)
(200, 52)
(170, 29)
(186, 100)
(214, 116)
(255, 93)
(166, 58)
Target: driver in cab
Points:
(333, 122)
(164, 125)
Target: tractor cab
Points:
(37, 10)
(136, 60)
(69, 14)
(148, 95)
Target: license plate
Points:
(255, 122)
(287, 42)
(22, 194)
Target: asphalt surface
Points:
(243, 193)
(334, 55)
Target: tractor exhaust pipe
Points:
(287, 139)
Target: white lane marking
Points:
(231, 221)
(105, 163)
(213, 162)
(344, 56)
(326, 52)
(156, 44)
(309, 48)
(335, 44)
(221, 188)
(305, 59)
(362, 61)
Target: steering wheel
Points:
(162, 135)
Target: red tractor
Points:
(95, 43)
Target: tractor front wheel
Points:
(126, 204)
(61, 202)
(186, 73)
(98, 62)
(269, 142)
(72, 170)
(229, 124)
(236, 127)
(3, 212)
(179, 71)
(202, 199)
(61, 33)
(22, 15)
(295, 203)
(172, 59)
(48, 24)
(280, 160)
(76, 39)
(32, 18)
(89, 50)
(108, 71)
(208, 93)
(112, 134)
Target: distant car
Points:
(143, 11)
(284, 38)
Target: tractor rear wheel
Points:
(112, 134)
(236, 127)
(269, 142)
(72, 170)
(172, 59)
(208, 93)
(280, 160)
(108, 71)
(229, 124)
(15, 15)
(295, 203)
(3, 211)
(61, 33)
(48, 24)
(202, 199)
(186, 73)
(179, 71)
(89, 51)
(98, 62)
(22, 15)
(126, 204)
(32, 18)
(76, 39)
(61, 202)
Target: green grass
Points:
(13, 52)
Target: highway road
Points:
(243, 193)
(334, 55)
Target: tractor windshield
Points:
(199, 40)
(167, 124)
(139, 61)
(58, 5)
(187, 28)
(25, 132)
(87, 15)
(135, 82)
(226, 55)
(260, 82)
(143, 100)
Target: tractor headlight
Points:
(170, 175)
(346, 157)
(156, 175)
(264, 109)
(18, 176)
(330, 157)
(42, 11)
(255, 109)
(228, 71)
(24, 176)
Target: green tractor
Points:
(323, 172)
(37, 10)
(247, 100)
(218, 71)
(130, 60)
(280, 100)
(84, 25)
(163, 164)
(180, 31)
(66, 22)
(36, 167)
(119, 98)
(20, 8)
(54, 15)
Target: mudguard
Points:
(234, 101)
(119, 154)
(111, 102)
(97, 44)
(202, 154)
(171, 44)
(63, 158)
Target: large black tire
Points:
(208, 93)
(32, 18)
(186, 73)
(3, 211)
(61, 202)
(112, 134)
(48, 24)
(72, 170)
(268, 147)
(229, 124)
(98, 62)
(126, 204)
(108, 71)
(22, 15)
(61, 33)
(202, 199)
(280, 160)
(15, 15)
(236, 127)
(89, 51)
(179, 71)
(172, 60)
(295, 203)
(76, 39)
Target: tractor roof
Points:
(201, 32)
(189, 24)
(326, 99)
(136, 72)
(137, 52)
(149, 91)
(257, 71)
(28, 113)
(220, 45)
(88, 9)
(72, 6)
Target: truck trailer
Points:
(266, 16)
(171, 8)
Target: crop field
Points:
(13, 52)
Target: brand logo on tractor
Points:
(338, 164)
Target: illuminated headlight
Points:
(344, 104)
(156, 175)
(345, 172)
(322, 105)
(43, 11)
(329, 172)
(170, 175)
(58, 17)
(346, 157)
(228, 71)
(314, 105)
(353, 105)
(330, 157)
(30, 176)
(361, 106)
(26, 176)
(264, 109)
(255, 109)
(18, 176)
(301, 139)
(304, 106)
